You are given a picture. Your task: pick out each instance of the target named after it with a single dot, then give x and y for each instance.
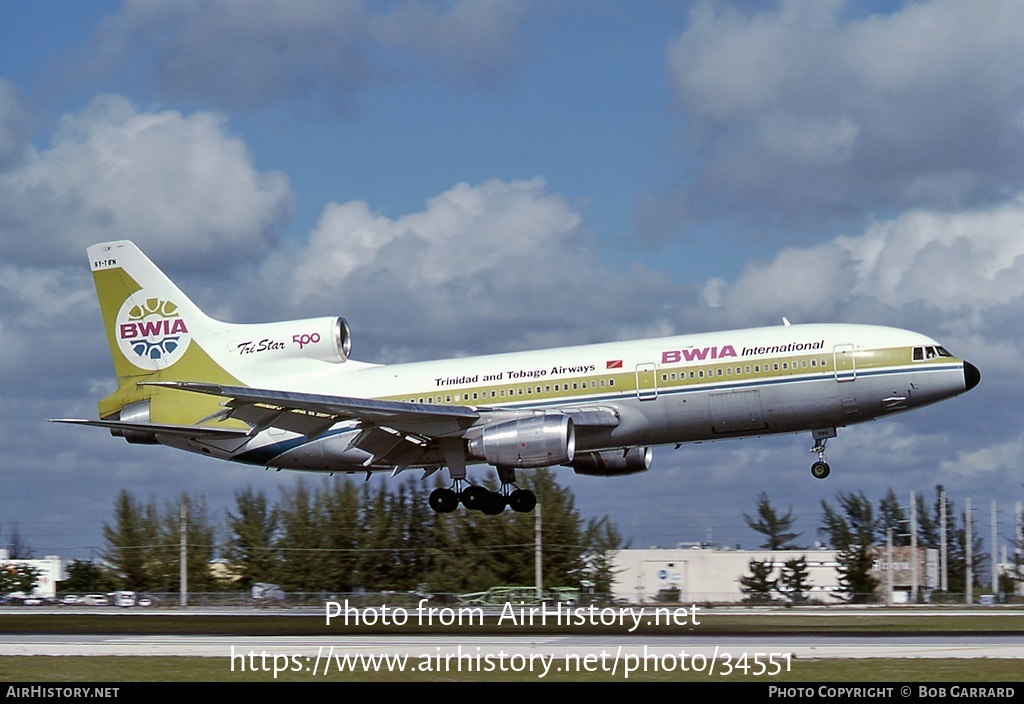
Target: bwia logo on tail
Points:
(153, 334)
(287, 395)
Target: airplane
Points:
(287, 395)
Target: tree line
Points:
(854, 525)
(341, 536)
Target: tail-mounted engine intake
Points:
(324, 339)
(136, 412)
(543, 441)
(613, 463)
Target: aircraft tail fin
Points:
(157, 334)
(152, 328)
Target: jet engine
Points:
(542, 441)
(136, 412)
(613, 463)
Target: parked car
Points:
(22, 599)
(94, 600)
(122, 598)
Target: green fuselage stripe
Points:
(677, 376)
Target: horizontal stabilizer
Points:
(184, 431)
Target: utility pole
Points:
(888, 567)
(995, 571)
(943, 562)
(538, 575)
(969, 552)
(183, 572)
(1018, 546)
(913, 548)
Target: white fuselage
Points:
(681, 389)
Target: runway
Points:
(804, 635)
(822, 646)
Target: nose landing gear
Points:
(820, 469)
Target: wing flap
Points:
(262, 417)
(387, 446)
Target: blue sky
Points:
(459, 178)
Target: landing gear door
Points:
(845, 364)
(646, 381)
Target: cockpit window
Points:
(922, 353)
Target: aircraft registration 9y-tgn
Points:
(287, 395)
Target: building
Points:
(701, 574)
(51, 571)
(906, 575)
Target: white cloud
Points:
(812, 112)
(14, 122)
(997, 458)
(728, 63)
(245, 54)
(172, 182)
(968, 259)
(957, 265)
(467, 39)
(805, 283)
(810, 140)
(50, 332)
(497, 265)
(463, 234)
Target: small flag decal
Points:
(613, 364)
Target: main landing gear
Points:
(820, 469)
(476, 498)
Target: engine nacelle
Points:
(613, 463)
(543, 441)
(135, 412)
(324, 339)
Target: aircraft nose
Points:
(972, 375)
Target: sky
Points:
(478, 176)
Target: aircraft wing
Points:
(394, 433)
(312, 414)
